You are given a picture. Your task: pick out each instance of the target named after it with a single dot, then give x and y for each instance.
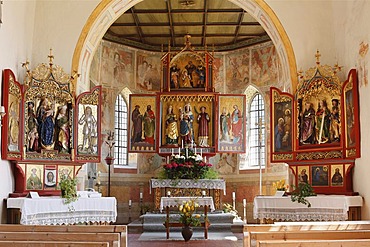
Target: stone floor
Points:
(233, 238)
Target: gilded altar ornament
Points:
(319, 155)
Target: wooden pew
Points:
(112, 238)
(316, 243)
(303, 226)
(52, 244)
(121, 230)
(309, 235)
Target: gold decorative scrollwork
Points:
(351, 152)
(13, 156)
(320, 155)
(91, 99)
(88, 158)
(278, 98)
(14, 89)
(199, 98)
(282, 157)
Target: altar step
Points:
(153, 222)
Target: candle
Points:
(179, 151)
(244, 202)
(205, 159)
(201, 153)
(168, 159)
(168, 193)
(141, 195)
(195, 149)
(186, 153)
(182, 143)
(234, 195)
(203, 193)
(129, 203)
(172, 151)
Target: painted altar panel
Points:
(187, 120)
(88, 126)
(326, 178)
(231, 123)
(142, 123)
(11, 121)
(351, 116)
(282, 114)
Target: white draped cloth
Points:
(52, 210)
(323, 208)
(189, 183)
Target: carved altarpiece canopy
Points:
(316, 131)
(47, 133)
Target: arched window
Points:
(120, 131)
(256, 137)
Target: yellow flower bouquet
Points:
(280, 185)
(187, 213)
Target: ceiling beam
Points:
(179, 24)
(137, 23)
(188, 11)
(237, 28)
(204, 31)
(170, 22)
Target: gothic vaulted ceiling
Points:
(217, 24)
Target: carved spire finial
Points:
(318, 55)
(51, 57)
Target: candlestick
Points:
(245, 211)
(234, 200)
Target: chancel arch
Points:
(110, 10)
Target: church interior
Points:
(141, 104)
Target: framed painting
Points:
(35, 178)
(142, 123)
(50, 178)
(320, 175)
(336, 172)
(304, 174)
(231, 120)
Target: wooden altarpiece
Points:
(47, 132)
(316, 131)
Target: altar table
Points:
(323, 208)
(167, 202)
(188, 187)
(52, 210)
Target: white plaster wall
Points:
(352, 26)
(58, 25)
(309, 27)
(15, 45)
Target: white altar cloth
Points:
(52, 210)
(176, 201)
(189, 183)
(323, 208)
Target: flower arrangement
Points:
(187, 216)
(300, 193)
(280, 185)
(68, 187)
(190, 166)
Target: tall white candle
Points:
(179, 151)
(186, 153)
(182, 143)
(168, 159)
(172, 151)
(129, 203)
(203, 192)
(201, 152)
(141, 195)
(195, 149)
(244, 202)
(234, 195)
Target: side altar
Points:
(188, 187)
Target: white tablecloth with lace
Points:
(189, 183)
(176, 201)
(323, 208)
(52, 210)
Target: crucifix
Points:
(260, 125)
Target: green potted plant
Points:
(68, 188)
(300, 193)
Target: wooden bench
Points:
(317, 243)
(272, 229)
(114, 235)
(52, 244)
